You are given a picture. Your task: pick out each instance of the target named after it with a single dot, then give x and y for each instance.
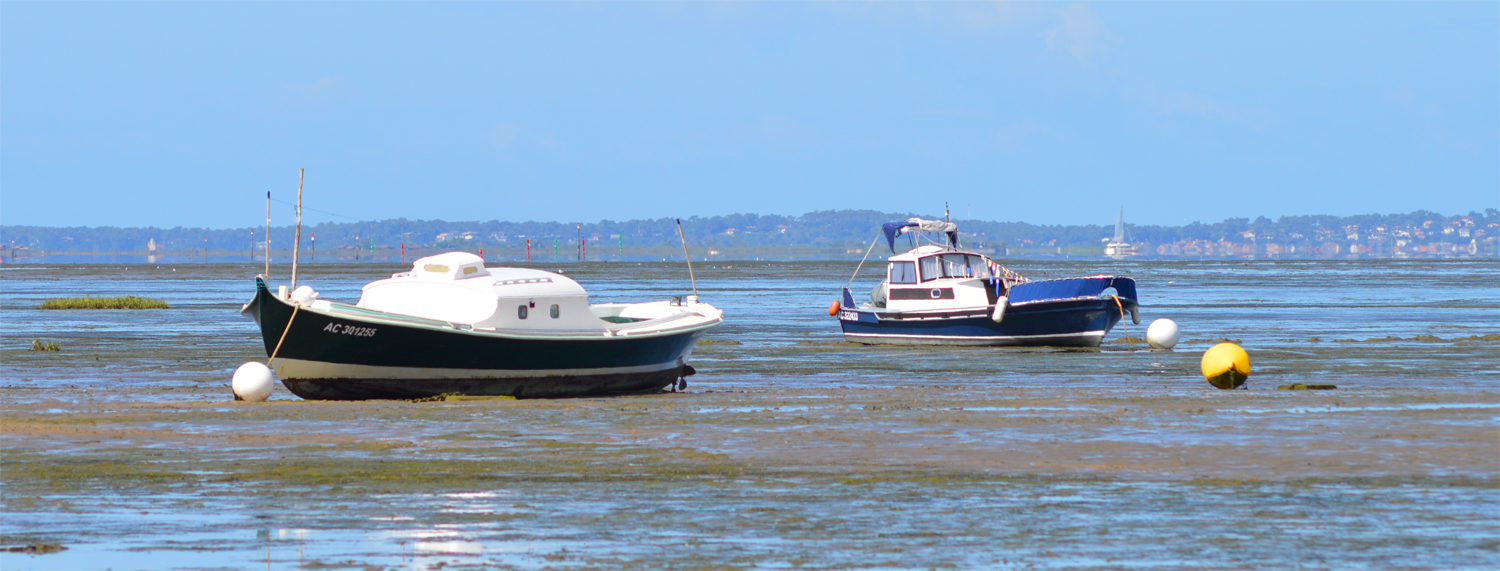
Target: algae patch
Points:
(122, 302)
(35, 549)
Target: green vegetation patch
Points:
(39, 345)
(1423, 338)
(35, 549)
(707, 341)
(123, 302)
(455, 397)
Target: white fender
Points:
(1000, 304)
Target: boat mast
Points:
(689, 257)
(297, 242)
(268, 235)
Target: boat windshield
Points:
(954, 266)
(930, 266)
(981, 269)
(957, 266)
(903, 273)
(965, 266)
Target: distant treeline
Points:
(828, 228)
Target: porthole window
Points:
(554, 311)
(521, 312)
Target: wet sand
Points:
(789, 449)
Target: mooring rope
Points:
(283, 335)
(1122, 320)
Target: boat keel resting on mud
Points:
(453, 326)
(939, 294)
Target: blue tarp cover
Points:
(891, 229)
(1072, 287)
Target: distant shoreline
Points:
(832, 235)
(658, 255)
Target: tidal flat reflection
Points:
(790, 448)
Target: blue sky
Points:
(171, 114)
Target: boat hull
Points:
(328, 357)
(1061, 323)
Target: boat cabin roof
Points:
(467, 270)
(923, 251)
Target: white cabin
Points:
(457, 288)
(933, 278)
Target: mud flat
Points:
(790, 449)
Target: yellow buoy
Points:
(1226, 366)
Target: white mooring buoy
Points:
(253, 382)
(1163, 334)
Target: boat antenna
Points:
(268, 235)
(688, 256)
(297, 243)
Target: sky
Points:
(186, 114)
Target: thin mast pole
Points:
(268, 235)
(688, 256)
(297, 245)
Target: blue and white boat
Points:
(941, 294)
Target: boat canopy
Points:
(891, 229)
(1072, 287)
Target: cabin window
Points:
(521, 312)
(553, 311)
(435, 268)
(470, 269)
(930, 269)
(981, 269)
(903, 273)
(957, 266)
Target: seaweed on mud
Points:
(1471, 338)
(1423, 339)
(122, 302)
(455, 397)
(707, 341)
(46, 346)
(35, 548)
(829, 344)
(1222, 340)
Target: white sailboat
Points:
(1117, 247)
